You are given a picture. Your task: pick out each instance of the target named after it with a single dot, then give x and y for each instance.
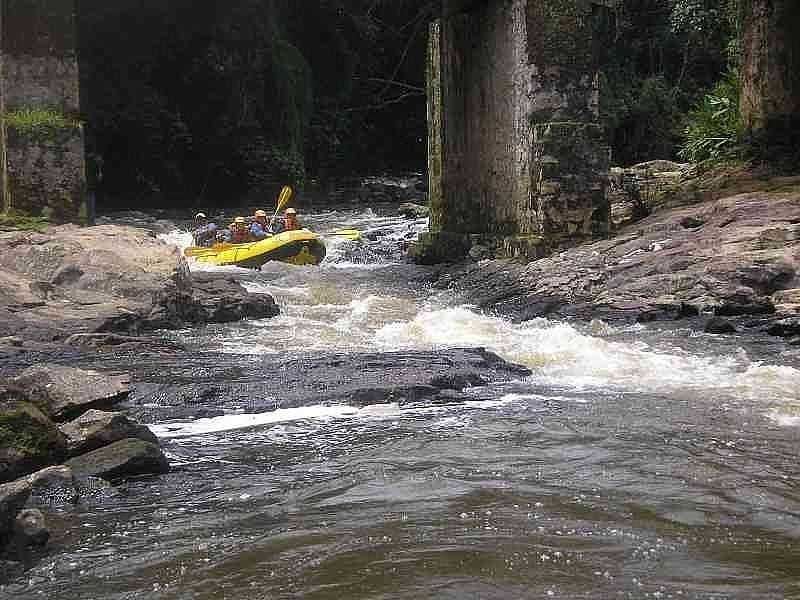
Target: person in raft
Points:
(290, 222)
(259, 228)
(240, 231)
(205, 232)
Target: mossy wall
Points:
(39, 85)
(515, 149)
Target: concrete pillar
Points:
(44, 146)
(517, 156)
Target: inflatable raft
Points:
(299, 247)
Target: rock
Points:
(120, 460)
(440, 247)
(692, 222)
(12, 340)
(718, 325)
(53, 485)
(413, 211)
(480, 252)
(30, 530)
(656, 269)
(95, 429)
(66, 392)
(12, 498)
(354, 379)
(226, 300)
(29, 440)
(785, 328)
(745, 306)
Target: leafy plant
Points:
(713, 131)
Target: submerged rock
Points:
(120, 460)
(29, 440)
(66, 392)
(95, 429)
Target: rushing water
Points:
(633, 463)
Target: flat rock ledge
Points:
(110, 279)
(734, 257)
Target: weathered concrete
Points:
(43, 164)
(516, 152)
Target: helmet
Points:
(240, 220)
(260, 213)
(291, 211)
(200, 216)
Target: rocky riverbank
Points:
(101, 286)
(730, 263)
(59, 444)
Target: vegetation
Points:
(714, 131)
(39, 121)
(14, 219)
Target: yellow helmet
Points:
(239, 220)
(200, 216)
(291, 211)
(260, 213)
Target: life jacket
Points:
(240, 233)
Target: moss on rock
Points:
(29, 440)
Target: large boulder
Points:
(29, 440)
(96, 428)
(66, 392)
(120, 460)
(12, 498)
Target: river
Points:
(633, 463)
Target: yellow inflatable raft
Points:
(299, 247)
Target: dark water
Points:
(633, 463)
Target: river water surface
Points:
(632, 463)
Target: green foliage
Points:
(659, 58)
(714, 130)
(39, 121)
(14, 219)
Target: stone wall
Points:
(517, 159)
(39, 85)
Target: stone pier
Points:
(42, 155)
(518, 163)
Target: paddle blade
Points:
(350, 234)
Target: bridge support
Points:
(517, 159)
(42, 156)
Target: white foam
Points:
(245, 421)
(562, 356)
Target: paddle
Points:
(350, 234)
(283, 200)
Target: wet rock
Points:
(691, 222)
(95, 429)
(413, 211)
(30, 530)
(355, 379)
(121, 460)
(785, 328)
(29, 440)
(226, 300)
(66, 392)
(745, 306)
(718, 325)
(13, 497)
(53, 485)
